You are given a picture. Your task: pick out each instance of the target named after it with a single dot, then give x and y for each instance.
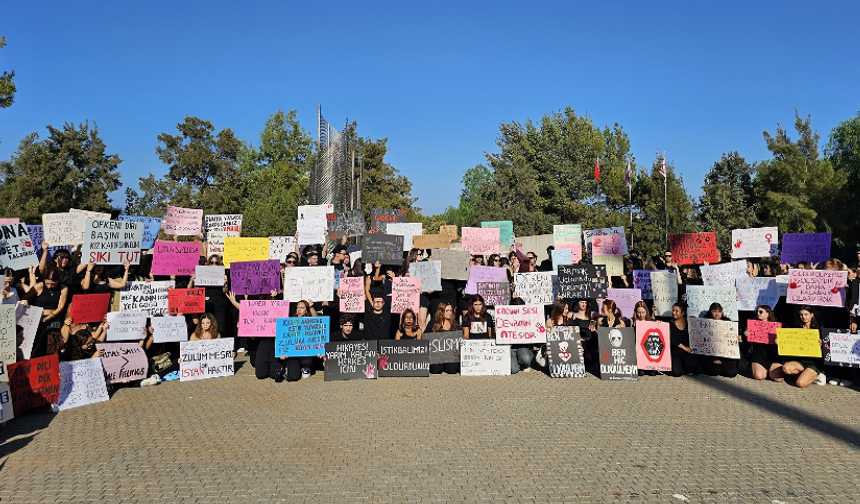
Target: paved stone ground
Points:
(524, 438)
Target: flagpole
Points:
(597, 176)
(665, 200)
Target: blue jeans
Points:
(521, 357)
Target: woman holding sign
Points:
(297, 368)
(683, 359)
(719, 366)
(805, 371)
(477, 324)
(765, 360)
(445, 320)
(96, 279)
(51, 296)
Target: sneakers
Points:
(148, 382)
(241, 351)
(821, 380)
(280, 374)
(306, 372)
(834, 381)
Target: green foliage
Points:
(68, 169)
(727, 200)
(7, 84)
(843, 152)
(382, 184)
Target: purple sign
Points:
(812, 247)
(37, 236)
(255, 277)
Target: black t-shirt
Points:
(377, 325)
(479, 328)
(355, 335)
(678, 336)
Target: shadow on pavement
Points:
(827, 427)
(21, 430)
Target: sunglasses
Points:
(290, 262)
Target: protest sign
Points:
(37, 236)
(617, 353)
(123, 362)
(88, 308)
(150, 297)
(559, 257)
(755, 242)
(716, 338)
(186, 301)
(817, 287)
(305, 212)
(755, 291)
(205, 359)
(484, 358)
(608, 245)
(125, 326)
(625, 300)
(6, 411)
(34, 382)
(484, 274)
(64, 228)
(151, 228)
(506, 231)
(209, 276)
(810, 247)
(90, 214)
(614, 264)
(642, 281)
(430, 273)
(407, 230)
(563, 345)
(760, 331)
(724, 274)
(455, 263)
(798, 342)
(617, 231)
(480, 241)
(380, 217)
(259, 317)
(444, 346)
(517, 324)
(653, 346)
(17, 251)
(694, 248)
(351, 360)
(495, 293)
(534, 288)
(664, 290)
(8, 342)
(303, 283)
(281, 246)
(451, 231)
(700, 298)
(405, 294)
(311, 231)
(28, 317)
(301, 336)
(385, 248)
(216, 241)
(352, 295)
(82, 382)
(346, 223)
(9, 220)
(404, 358)
(173, 258)
(581, 281)
(183, 221)
(223, 222)
(245, 249)
(255, 277)
(782, 285)
(431, 241)
(567, 234)
(112, 242)
(169, 329)
(841, 348)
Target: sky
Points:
(693, 79)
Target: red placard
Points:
(88, 308)
(186, 301)
(694, 248)
(34, 382)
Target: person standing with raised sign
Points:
(52, 297)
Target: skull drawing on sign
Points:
(563, 351)
(615, 338)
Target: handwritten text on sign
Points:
(150, 297)
(506, 231)
(245, 249)
(88, 308)
(798, 342)
(534, 288)
(112, 242)
(520, 324)
(16, 247)
(563, 346)
(811, 247)
(755, 242)
(652, 346)
(169, 329)
(694, 248)
(405, 294)
(717, 338)
(151, 227)
(82, 382)
(259, 318)
(34, 382)
(480, 241)
(206, 359)
(301, 336)
(484, 358)
(817, 287)
(186, 301)
(255, 277)
(314, 283)
(352, 295)
(183, 221)
(123, 362)
(761, 331)
(171, 258)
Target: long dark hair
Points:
(471, 315)
(414, 326)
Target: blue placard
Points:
(301, 336)
(151, 227)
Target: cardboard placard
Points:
(151, 228)
(404, 358)
(351, 360)
(444, 346)
(405, 294)
(617, 231)
(209, 276)
(34, 382)
(28, 317)
(150, 297)
(480, 241)
(169, 329)
(245, 250)
(431, 241)
(717, 338)
(216, 241)
(565, 235)
(352, 296)
(725, 274)
(755, 242)
(617, 348)
(259, 318)
(387, 249)
(664, 290)
(484, 358)
(37, 236)
(563, 345)
(495, 293)
(614, 264)
(206, 359)
(126, 326)
(322, 211)
(123, 362)
(281, 246)
(315, 283)
(534, 288)
(455, 263)
(8, 343)
(112, 242)
(174, 258)
(346, 223)
(380, 217)
(183, 221)
(186, 301)
(506, 231)
(82, 382)
(817, 287)
(798, 342)
(516, 324)
(700, 298)
(694, 248)
(407, 230)
(653, 346)
(301, 336)
(561, 257)
(841, 348)
(810, 247)
(451, 231)
(311, 231)
(625, 300)
(64, 228)
(760, 331)
(581, 281)
(16, 247)
(642, 281)
(255, 277)
(608, 245)
(88, 308)
(223, 222)
(484, 274)
(756, 291)
(430, 273)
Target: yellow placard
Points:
(238, 249)
(449, 230)
(798, 342)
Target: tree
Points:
(382, 184)
(727, 200)
(843, 152)
(7, 84)
(68, 169)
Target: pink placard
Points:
(183, 221)
(625, 300)
(352, 295)
(484, 274)
(653, 347)
(123, 362)
(760, 331)
(480, 241)
(817, 287)
(10, 220)
(405, 294)
(608, 245)
(259, 317)
(172, 258)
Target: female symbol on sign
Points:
(768, 237)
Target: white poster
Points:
(700, 297)
(82, 382)
(407, 230)
(755, 242)
(484, 358)
(205, 359)
(315, 283)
